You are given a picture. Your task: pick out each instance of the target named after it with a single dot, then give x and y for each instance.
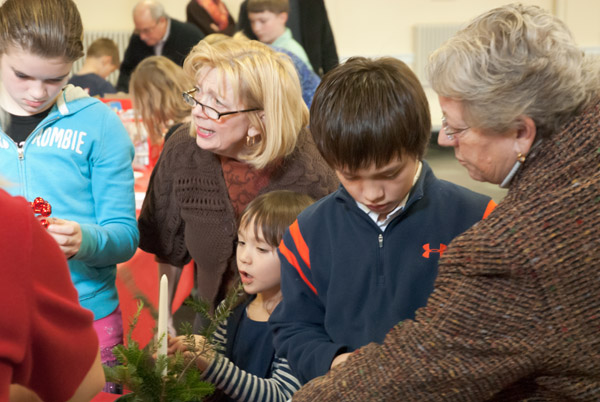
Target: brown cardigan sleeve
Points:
(160, 224)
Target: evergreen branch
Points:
(141, 374)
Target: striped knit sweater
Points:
(515, 314)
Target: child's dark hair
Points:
(274, 6)
(370, 111)
(273, 212)
(46, 28)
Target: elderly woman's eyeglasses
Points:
(452, 134)
(210, 112)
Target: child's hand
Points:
(339, 359)
(201, 350)
(177, 344)
(67, 234)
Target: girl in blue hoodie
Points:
(59, 144)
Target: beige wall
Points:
(384, 28)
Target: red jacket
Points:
(47, 341)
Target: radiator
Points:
(427, 38)
(121, 38)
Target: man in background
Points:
(156, 34)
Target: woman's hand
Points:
(67, 234)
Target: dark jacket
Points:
(346, 283)
(93, 84)
(316, 35)
(182, 37)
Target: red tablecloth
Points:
(139, 276)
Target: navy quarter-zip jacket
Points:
(346, 283)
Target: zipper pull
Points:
(380, 240)
(20, 149)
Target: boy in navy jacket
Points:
(365, 257)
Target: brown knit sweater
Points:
(515, 314)
(187, 213)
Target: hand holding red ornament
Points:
(42, 208)
(67, 234)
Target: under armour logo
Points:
(428, 250)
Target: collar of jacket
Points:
(416, 192)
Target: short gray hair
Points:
(156, 9)
(511, 61)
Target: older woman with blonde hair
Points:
(248, 136)
(516, 307)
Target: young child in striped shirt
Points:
(246, 368)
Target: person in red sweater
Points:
(48, 344)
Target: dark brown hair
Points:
(46, 28)
(370, 111)
(273, 212)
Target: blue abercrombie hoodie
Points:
(79, 160)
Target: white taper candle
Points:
(163, 317)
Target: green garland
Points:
(141, 374)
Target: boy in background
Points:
(267, 19)
(362, 259)
(101, 59)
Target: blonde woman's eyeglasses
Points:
(210, 112)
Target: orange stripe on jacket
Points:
(490, 207)
(300, 243)
(292, 260)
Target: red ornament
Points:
(41, 207)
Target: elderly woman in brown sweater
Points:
(247, 137)
(515, 313)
